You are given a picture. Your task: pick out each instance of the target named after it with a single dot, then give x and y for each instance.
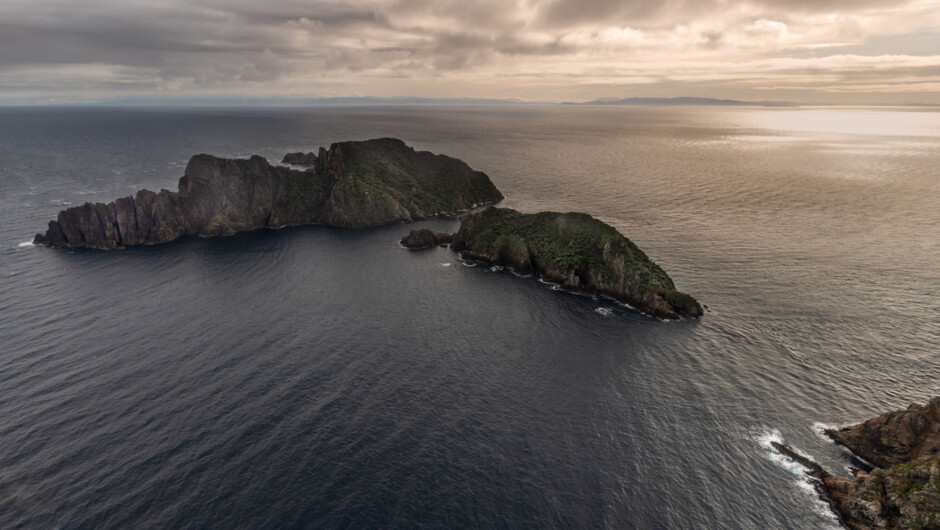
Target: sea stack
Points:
(424, 238)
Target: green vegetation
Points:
(913, 476)
(568, 242)
(576, 250)
(354, 184)
(421, 182)
(907, 495)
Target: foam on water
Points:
(820, 428)
(765, 437)
(25, 244)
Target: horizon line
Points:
(292, 101)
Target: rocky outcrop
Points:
(903, 491)
(903, 496)
(424, 238)
(300, 159)
(352, 185)
(577, 251)
(896, 437)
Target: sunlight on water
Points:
(887, 121)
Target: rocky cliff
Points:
(895, 437)
(351, 185)
(581, 253)
(903, 491)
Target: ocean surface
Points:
(312, 377)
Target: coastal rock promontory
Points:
(577, 251)
(903, 489)
(351, 185)
(895, 437)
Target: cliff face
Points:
(577, 251)
(902, 496)
(903, 491)
(896, 437)
(351, 185)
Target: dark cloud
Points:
(568, 13)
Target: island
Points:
(575, 250)
(901, 487)
(351, 185)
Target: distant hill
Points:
(686, 101)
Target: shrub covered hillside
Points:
(577, 251)
(386, 174)
(351, 185)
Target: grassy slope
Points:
(423, 183)
(572, 242)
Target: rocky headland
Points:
(351, 185)
(903, 489)
(895, 437)
(575, 250)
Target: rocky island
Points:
(424, 238)
(903, 488)
(351, 185)
(575, 250)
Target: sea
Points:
(313, 377)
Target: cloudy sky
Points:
(847, 51)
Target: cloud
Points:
(537, 49)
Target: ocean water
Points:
(317, 377)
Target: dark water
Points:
(312, 377)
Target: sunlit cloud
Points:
(823, 50)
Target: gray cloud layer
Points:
(555, 49)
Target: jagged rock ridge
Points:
(300, 159)
(895, 437)
(576, 250)
(351, 185)
(903, 490)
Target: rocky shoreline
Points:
(903, 489)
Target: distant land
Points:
(293, 102)
(686, 101)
